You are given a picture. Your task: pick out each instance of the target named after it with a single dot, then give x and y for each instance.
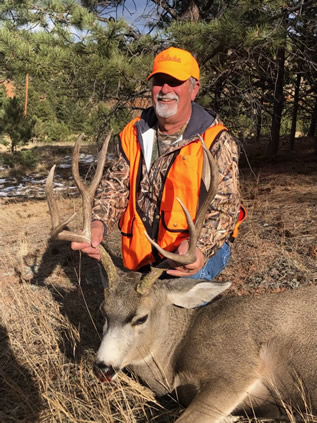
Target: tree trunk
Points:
(295, 110)
(190, 11)
(312, 128)
(259, 112)
(258, 124)
(217, 95)
(278, 103)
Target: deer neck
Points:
(158, 368)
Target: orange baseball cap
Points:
(176, 62)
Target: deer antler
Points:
(210, 177)
(87, 195)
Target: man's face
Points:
(172, 98)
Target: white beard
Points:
(165, 110)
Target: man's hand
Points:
(188, 269)
(97, 230)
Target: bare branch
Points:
(164, 5)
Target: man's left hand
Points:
(188, 269)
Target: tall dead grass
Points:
(39, 383)
(44, 379)
(45, 374)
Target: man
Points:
(160, 159)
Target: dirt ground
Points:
(42, 282)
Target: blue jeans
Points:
(214, 265)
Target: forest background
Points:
(77, 66)
(70, 67)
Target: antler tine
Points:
(210, 177)
(57, 225)
(190, 255)
(194, 229)
(145, 285)
(87, 195)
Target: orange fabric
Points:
(176, 62)
(183, 181)
(242, 217)
(131, 224)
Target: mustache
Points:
(167, 97)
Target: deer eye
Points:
(141, 320)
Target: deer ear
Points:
(190, 295)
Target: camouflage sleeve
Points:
(112, 194)
(224, 209)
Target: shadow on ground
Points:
(20, 399)
(79, 297)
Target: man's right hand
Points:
(97, 231)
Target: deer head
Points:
(132, 295)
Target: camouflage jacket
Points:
(113, 192)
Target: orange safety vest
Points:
(182, 181)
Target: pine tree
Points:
(80, 69)
(88, 71)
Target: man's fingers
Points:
(97, 231)
(188, 269)
(92, 252)
(87, 249)
(79, 245)
(95, 256)
(193, 266)
(180, 273)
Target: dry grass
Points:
(40, 383)
(49, 299)
(49, 331)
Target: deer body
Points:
(233, 354)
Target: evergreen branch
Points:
(215, 51)
(302, 5)
(164, 5)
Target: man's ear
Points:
(190, 293)
(194, 90)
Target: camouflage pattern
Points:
(113, 193)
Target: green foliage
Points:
(87, 70)
(237, 50)
(26, 159)
(13, 123)
(50, 131)
(74, 72)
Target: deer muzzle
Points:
(104, 372)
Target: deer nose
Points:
(104, 372)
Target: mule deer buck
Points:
(233, 356)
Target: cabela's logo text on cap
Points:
(167, 57)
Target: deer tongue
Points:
(104, 374)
